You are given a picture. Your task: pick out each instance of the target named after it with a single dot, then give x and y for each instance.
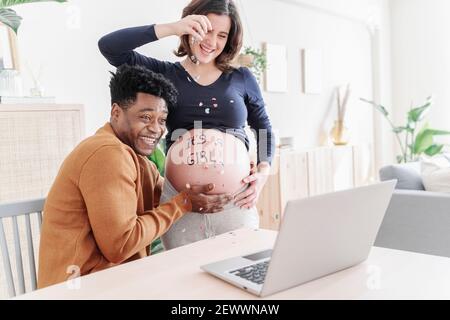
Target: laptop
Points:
(318, 236)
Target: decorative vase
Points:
(37, 90)
(339, 133)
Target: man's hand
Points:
(206, 203)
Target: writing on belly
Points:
(213, 155)
(212, 148)
(206, 156)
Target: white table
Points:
(176, 274)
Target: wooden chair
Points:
(14, 210)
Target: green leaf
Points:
(382, 109)
(10, 18)
(399, 159)
(259, 63)
(9, 3)
(417, 114)
(434, 149)
(435, 132)
(379, 107)
(424, 139)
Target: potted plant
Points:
(9, 17)
(415, 142)
(254, 59)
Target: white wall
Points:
(63, 37)
(421, 58)
(387, 139)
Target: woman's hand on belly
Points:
(257, 179)
(206, 203)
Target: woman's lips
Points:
(205, 50)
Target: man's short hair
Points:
(129, 80)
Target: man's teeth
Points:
(148, 140)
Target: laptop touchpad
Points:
(259, 255)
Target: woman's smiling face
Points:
(214, 42)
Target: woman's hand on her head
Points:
(206, 203)
(256, 180)
(195, 25)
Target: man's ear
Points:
(116, 111)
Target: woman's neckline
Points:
(192, 80)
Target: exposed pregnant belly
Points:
(203, 156)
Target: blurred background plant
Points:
(415, 142)
(159, 159)
(254, 59)
(9, 17)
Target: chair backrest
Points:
(14, 210)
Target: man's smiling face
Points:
(141, 124)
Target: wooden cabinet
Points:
(299, 174)
(34, 140)
(320, 171)
(269, 202)
(293, 176)
(342, 168)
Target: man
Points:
(103, 208)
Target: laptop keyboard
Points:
(255, 273)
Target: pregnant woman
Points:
(206, 141)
